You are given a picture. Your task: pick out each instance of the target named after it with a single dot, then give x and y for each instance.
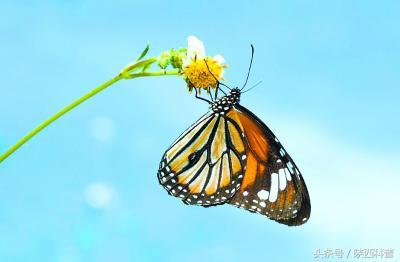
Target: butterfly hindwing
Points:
(204, 166)
(272, 184)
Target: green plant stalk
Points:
(123, 75)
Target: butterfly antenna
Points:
(218, 82)
(251, 62)
(259, 82)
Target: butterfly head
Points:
(235, 92)
(223, 104)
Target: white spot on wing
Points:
(282, 152)
(263, 194)
(274, 188)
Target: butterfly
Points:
(230, 156)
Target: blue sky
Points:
(85, 189)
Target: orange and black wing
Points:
(272, 184)
(204, 166)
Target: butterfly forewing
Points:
(272, 184)
(204, 166)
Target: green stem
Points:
(137, 65)
(156, 73)
(78, 102)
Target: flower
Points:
(198, 70)
(201, 71)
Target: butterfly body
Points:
(225, 103)
(230, 156)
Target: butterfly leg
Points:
(209, 92)
(199, 97)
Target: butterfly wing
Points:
(272, 183)
(204, 166)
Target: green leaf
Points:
(144, 52)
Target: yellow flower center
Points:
(200, 76)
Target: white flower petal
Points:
(195, 48)
(219, 59)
